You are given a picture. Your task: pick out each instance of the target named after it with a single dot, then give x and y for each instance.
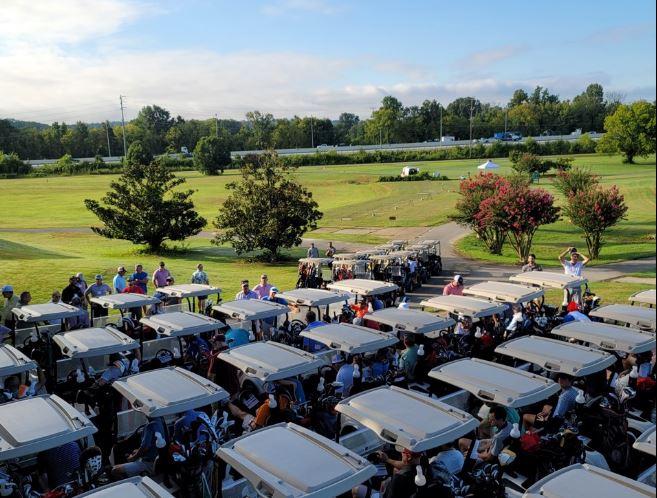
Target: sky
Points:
(69, 60)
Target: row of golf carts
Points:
(287, 459)
(406, 265)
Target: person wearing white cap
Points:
(11, 301)
(119, 282)
(455, 287)
(97, 289)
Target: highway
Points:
(348, 149)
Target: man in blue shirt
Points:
(142, 460)
(140, 278)
(565, 403)
(311, 323)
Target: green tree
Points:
(142, 206)
(212, 154)
(630, 130)
(138, 154)
(262, 127)
(285, 210)
(11, 165)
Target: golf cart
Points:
(126, 304)
(262, 315)
(422, 253)
(346, 269)
(135, 487)
(390, 268)
(320, 301)
(406, 420)
(504, 292)
(575, 288)
(41, 320)
(389, 247)
(189, 292)
(435, 257)
(34, 425)
(367, 288)
(172, 329)
(314, 273)
(608, 337)
(411, 321)
(632, 316)
(467, 306)
(648, 298)
(588, 480)
(166, 393)
(288, 461)
(14, 363)
(645, 443)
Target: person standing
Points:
(313, 252)
(245, 293)
(199, 277)
(455, 287)
(140, 278)
(263, 288)
(11, 301)
(531, 264)
(119, 283)
(574, 267)
(97, 289)
(160, 276)
(71, 294)
(330, 251)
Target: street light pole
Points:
(109, 150)
(312, 133)
(440, 138)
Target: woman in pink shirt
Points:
(455, 287)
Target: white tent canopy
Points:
(488, 165)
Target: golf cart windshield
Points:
(188, 290)
(13, 362)
(557, 356)
(504, 292)
(270, 361)
(587, 480)
(636, 316)
(88, 343)
(493, 383)
(124, 301)
(646, 442)
(407, 418)
(468, 306)
(181, 323)
(288, 461)
(32, 425)
(410, 321)
(46, 312)
(345, 255)
(135, 487)
(606, 336)
(251, 309)
(363, 287)
(548, 280)
(314, 297)
(351, 339)
(167, 391)
(648, 297)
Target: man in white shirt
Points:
(574, 267)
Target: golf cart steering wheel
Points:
(296, 326)
(168, 356)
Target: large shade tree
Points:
(267, 209)
(630, 130)
(144, 207)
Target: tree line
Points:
(535, 113)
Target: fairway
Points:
(349, 196)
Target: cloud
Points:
(485, 58)
(64, 21)
(282, 7)
(619, 34)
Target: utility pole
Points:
(440, 138)
(380, 138)
(506, 120)
(471, 111)
(109, 149)
(216, 125)
(312, 133)
(125, 146)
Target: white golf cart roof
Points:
(351, 339)
(383, 257)
(167, 391)
(504, 292)
(646, 442)
(181, 323)
(606, 336)
(13, 361)
(317, 261)
(549, 280)
(270, 361)
(288, 461)
(557, 356)
(32, 425)
(134, 487)
(636, 316)
(365, 253)
(410, 321)
(87, 343)
(407, 418)
(314, 297)
(402, 254)
(350, 262)
(468, 306)
(645, 297)
(363, 287)
(345, 255)
(251, 309)
(46, 312)
(387, 247)
(494, 383)
(587, 480)
(124, 301)
(188, 290)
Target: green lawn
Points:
(610, 292)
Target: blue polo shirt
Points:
(309, 344)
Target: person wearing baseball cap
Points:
(11, 301)
(574, 314)
(455, 287)
(97, 289)
(119, 282)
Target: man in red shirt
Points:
(455, 287)
(133, 287)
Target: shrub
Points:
(575, 181)
(11, 165)
(423, 176)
